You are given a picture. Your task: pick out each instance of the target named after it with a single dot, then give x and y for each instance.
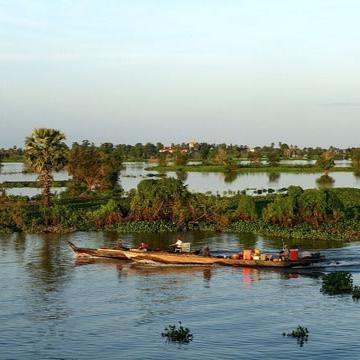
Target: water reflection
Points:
(230, 177)
(47, 275)
(325, 182)
(274, 177)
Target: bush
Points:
(246, 208)
(281, 211)
(337, 283)
(177, 334)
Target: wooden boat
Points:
(184, 258)
(101, 252)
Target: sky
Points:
(235, 71)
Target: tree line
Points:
(94, 167)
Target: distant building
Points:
(167, 150)
(193, 144)
(171, 150)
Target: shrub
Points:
(281, 211)
(246, 208)
(337, 283)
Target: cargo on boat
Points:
(188, 258)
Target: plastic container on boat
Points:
(306, 254)
(256, 257)
(294, 254)
(263, 257)
(247, 254)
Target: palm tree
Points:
(45, 152)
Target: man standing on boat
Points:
(284, 253)
(177, 246)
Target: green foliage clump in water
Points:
(179, 334)
(300, 333)
(356, 292)
(337, 283)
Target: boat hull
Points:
(182, 259)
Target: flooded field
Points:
(133, 173)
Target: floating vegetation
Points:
(176, 334)
(337, 283)
(356, 293)
(300, 333)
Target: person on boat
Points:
(143, 246)
(120, 246)
(284, 253)
(177, 246)
(205, 250)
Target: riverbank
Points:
(160, 206)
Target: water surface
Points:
(135, 172)
(52, 307)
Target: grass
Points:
(16, 158)
(31, 184)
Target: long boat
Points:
(184, 258)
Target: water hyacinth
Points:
(337, 283)
(300, 333)
(176, 334)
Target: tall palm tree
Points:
(45, 152)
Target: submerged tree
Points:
(45, 152)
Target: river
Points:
(52, 307)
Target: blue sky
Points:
(247, 72)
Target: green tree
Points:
(159, 200)
(355, 157)
(254, 156)
(281, 211)
(98, 168)
(319, 206)
(246, 209)
(274, 157)
(162, 159)
(326, 161)
(180, 158)
(45, 152)
(221, 156)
